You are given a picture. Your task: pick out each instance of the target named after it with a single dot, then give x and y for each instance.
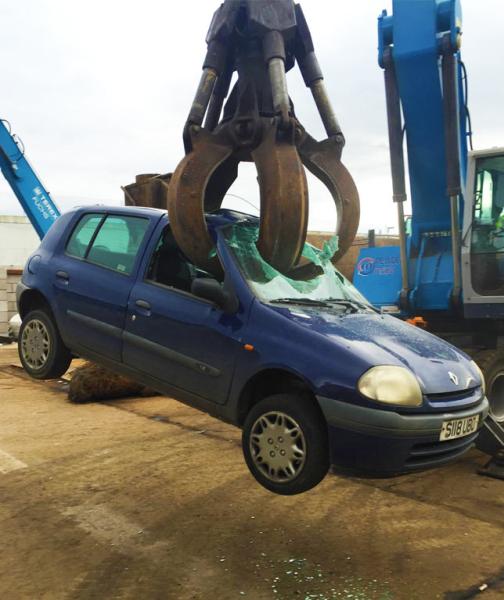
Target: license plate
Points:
(458, 428)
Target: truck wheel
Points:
(491, 362)
(41, 349)
(285, 443)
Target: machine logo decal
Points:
(382, 265)
(366, 266)
(453, 377)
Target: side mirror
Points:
(211, 289)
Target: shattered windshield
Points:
(316, 281)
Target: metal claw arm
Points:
(261, 40)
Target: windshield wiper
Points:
(302, 301)
(352, 304)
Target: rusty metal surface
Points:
(284, 200)
(148, 190)
(186, 197)
(323, 160)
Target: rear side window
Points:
(82, 234)
(117, 243)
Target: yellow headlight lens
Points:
(391, 385)
(480, 372)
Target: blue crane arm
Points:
(415, 34)
(419, 50)
(33, 197)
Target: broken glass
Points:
(324, 286)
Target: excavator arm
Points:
(24, 182)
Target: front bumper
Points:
(383, 442)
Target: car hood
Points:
(384, 340)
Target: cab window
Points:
(79, 240)
(487, 242)
(117, 242)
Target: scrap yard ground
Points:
(149, 499)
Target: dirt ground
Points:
(149, 499)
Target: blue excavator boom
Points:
(24, 182)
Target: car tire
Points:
(41, 349)
(491, 362)
(285, 443)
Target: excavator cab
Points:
(483, 236)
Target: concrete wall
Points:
(17, 240)
(9, 278)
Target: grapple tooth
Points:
(322, 159)
(186, 198)
(203, 177)
(284, 201)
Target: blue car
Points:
(309, 370)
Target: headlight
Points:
(391, 385)
(482, 377)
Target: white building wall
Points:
(17, 240)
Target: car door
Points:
(180, 339)
(93, 278)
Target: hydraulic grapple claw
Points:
(261, 40)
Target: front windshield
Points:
(323, 284)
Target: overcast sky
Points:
(99, 90)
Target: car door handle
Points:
(63, 275)
(143, 304)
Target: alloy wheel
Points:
(278, 446)
(35, 344)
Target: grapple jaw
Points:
(261, 40)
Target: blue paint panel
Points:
(431, 275)
(378, 275)
(34, 198)
(416, 60)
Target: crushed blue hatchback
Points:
(309, 370)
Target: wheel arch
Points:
(268, 382)
(32, 299)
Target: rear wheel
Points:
(285, 443)
(491, 362)
(41, 349)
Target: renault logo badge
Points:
(453, 377)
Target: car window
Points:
(169, 266)
(117, 242)
(82, 234)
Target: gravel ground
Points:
(149, 499)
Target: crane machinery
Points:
(24, 182)
(448, 271)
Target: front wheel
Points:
(41, 349)
(285, 443)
